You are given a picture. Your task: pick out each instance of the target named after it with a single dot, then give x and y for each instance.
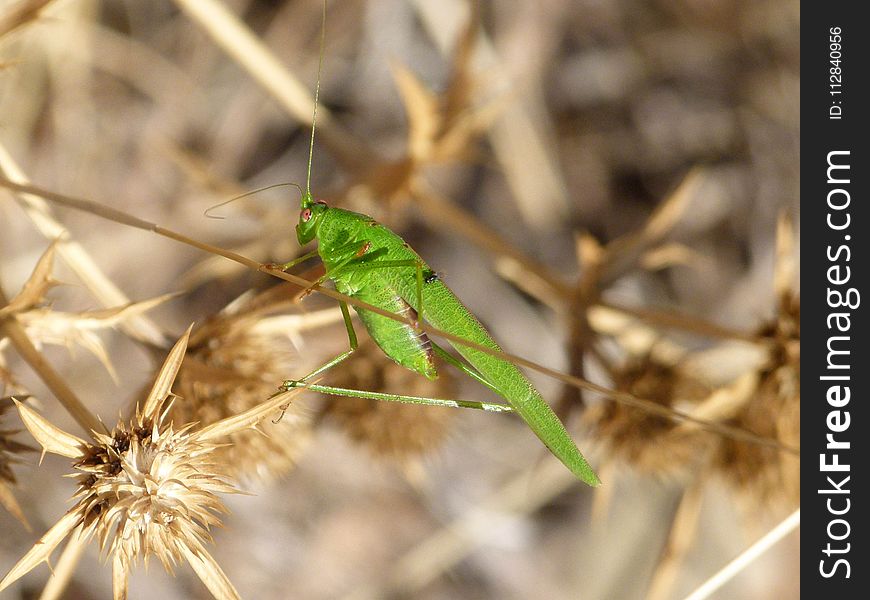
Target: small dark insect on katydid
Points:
(367, 261)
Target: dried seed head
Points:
(399, 432)
(646, 441)
(146, 489)
(233, 364)
(765, 476)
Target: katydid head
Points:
(309, 218)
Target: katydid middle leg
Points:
(424, 400)
(465, 368)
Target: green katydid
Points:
(367, 261)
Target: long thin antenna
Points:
(207, 212)
(316, 102)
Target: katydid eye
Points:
(306, 215)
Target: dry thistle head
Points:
(763, 476)
(646, 441)
(766, 476)
(234, 362)
(399, 432)
(147, 488)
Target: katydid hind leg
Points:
(422, 400)
(446, 356)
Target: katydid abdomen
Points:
(368, 261)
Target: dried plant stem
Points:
(623, 253)
(64, 569)
(682, 535)
(18, 336)
(438, 209)
(684, 322)
(727, 572)
(248, 50)
(520, 137)
(105, 291)
(617, 396)
(20, 14)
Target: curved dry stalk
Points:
(683, 322)
(791, 523)
(20, 14)
(81, 263)
(684, 526)
(578, 382)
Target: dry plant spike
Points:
(42, 550)
(624, 252)
(590, 252)
(672, 254)
(46, 326)
(51, 438)
(64, 569)
(725, 402)
(166, 376)
(669, 212)
(248, 419)
(10, 503)
(37, 285)
(120, 581)
(211, 574)
(18, 337)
